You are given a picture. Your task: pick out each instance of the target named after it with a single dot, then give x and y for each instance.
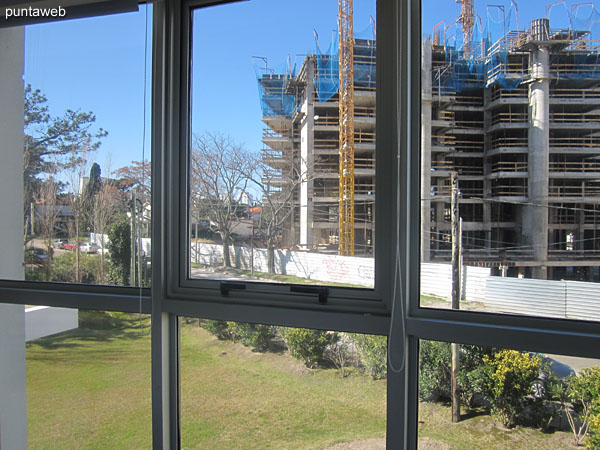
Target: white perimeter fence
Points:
(571, 299)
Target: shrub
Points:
(340, 352)
(252, 335)
(593, 439)
(64, 270)
(584, 393)
(119, 247)
(372, 351)
(307, 345)
(511, 375)
(434, 371)
(217, 327)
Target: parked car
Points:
(560, 370)
(70, 245)
(89, 247)
(60, 243)
(35, 255)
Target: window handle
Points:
(322, 292)
(226, 287)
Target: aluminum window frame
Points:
(346, 307)
(400, 79)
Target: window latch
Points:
(226, 287)
(322, 292)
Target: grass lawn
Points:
(478, 430)
(90, 389)
(235, 398)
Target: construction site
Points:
(512, 111)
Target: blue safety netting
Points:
(327, 76)
(585, 21)
(275, 100)
(501, 35)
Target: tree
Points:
(46, 197)
(119, 247)
(219, 169)
(88, 194)
(276, 202)
(105, 209)
(53, 142)
(136, 176)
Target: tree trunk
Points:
(271, 258)
(78, 268)
(226, 257)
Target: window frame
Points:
(398, 76)
(351, 306)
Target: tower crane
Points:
(346, 127)
(467, 20)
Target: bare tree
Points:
(47, 199)
(219, 169)
(106, 209)
(277, 188)
(75, 199)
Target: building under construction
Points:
(517, 118)
(515, 114)
(301, 110)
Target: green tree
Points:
(119, 246)
(53, 142)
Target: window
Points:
(393, 305)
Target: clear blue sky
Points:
(98, 64)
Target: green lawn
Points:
(90, 389)
(235, 398)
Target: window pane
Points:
(259, 386)
(513, 117)
(507, 399)
(83, 94)
(88, 379)
(265, 200)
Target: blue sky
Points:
(98, 64)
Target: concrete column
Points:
(426, 100)
(487, 184)
(307, 135)
(535, 220)
(13, 413)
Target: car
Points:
(549, 366)
(70, 245)
(89, 247)
(35, 255)
(59, 243)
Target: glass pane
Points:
(88, 379)
(259, 386)
(269, 186)
(78, 106)
(505, 398)
(514, 118)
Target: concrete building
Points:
(522, 132)
(301, 138)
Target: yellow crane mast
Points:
(467, 20)
(346, 132)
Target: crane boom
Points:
(346, 127)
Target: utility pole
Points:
(456, 254)
(132, 268)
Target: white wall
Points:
(42, 321)
(435, 278)
(13, 412)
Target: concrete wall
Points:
(42, 321)
(13, 413)
(435, 278)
